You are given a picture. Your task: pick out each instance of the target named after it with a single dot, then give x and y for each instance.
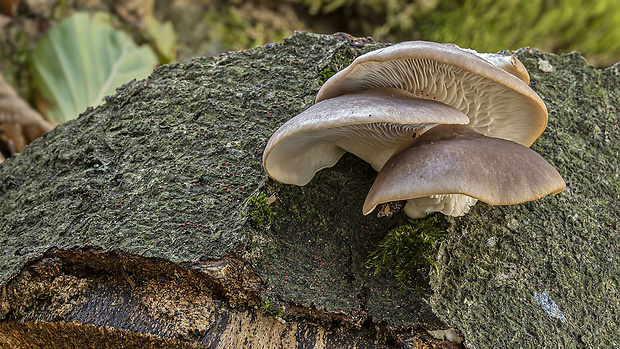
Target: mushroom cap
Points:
(498, 103)
(371, 124)
(509, 63)
(454, 159)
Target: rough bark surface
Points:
(134, 223)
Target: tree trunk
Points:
(142, 224)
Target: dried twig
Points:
(19, 122)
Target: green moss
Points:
(407, 248)
(259, 211)
(488, 26)
(270, 309)
(326, 74)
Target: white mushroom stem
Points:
(454, 205)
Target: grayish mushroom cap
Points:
(498, 103)
(371, 124)
(509, 63)
(454, 159)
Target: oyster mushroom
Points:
(455, 159)
(376, 107)
(498, 103)
(491, 89)
(371, 124)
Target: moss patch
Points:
(259, 211)
(405, 249)
(270, 309)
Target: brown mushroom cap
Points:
(498, 104)
(454, 159)
(371, 124)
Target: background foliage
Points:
(83, 59)
(559, 26)
(181, 29)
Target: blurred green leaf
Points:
(82, 59)
(164, 38)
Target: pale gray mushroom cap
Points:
(371, 124)
(498, 103)
(509, 63)
(454, 159)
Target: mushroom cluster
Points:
(443, 126)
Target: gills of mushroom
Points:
(456, 160)
(492, 91)
(371, 124)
